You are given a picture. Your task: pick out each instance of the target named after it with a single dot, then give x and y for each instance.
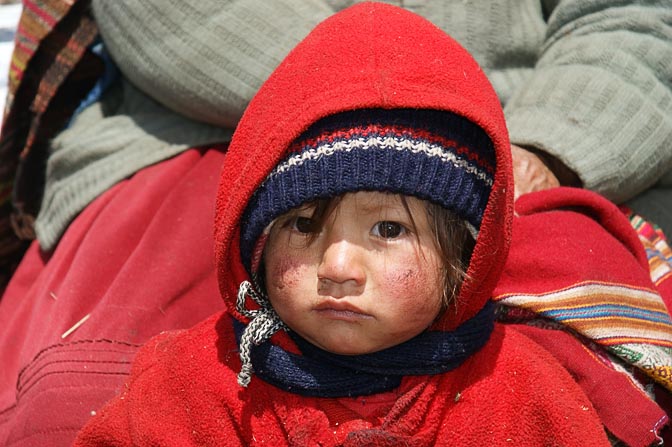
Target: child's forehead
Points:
(373, 200)
(370, 201)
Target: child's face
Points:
(364, 281)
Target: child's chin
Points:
(349, 352)
(350, 349)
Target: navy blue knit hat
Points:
(436, 156)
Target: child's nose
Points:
(341, 271)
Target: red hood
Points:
(368, 56)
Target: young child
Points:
(363, 221)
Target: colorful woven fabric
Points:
(599, 374)
(578, 277)
(37, 20)
(632, 323)
(50, 71)
(658, 251)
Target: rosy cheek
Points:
(407, 285)
(286, 273)
(403, 277)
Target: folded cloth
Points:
(577, 264)
(624, 406)
(658, 252)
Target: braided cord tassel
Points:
(263, 324)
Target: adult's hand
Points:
(530, 173)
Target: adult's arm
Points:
(205, 59)
(600, 98)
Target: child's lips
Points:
(338, 310)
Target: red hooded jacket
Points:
(183, 388)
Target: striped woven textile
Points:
(35, 23)
(657, 249)
(50, 71)
(630, 321)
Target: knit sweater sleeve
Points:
(207, 61)
(600, 97)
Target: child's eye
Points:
(388, 230)
(304, 224)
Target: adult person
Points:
(585, 85)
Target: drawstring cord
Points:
(264, 322)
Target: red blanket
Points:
(136, 262)
(578, 275)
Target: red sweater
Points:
(183, 391)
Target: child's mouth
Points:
(341, 311)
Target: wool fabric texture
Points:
(319, 373)
(77, 344)
(323, 77)
(107, 142)
(294, 88)
(435, 156)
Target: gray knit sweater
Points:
(588, 81)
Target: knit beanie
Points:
(433, 155)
